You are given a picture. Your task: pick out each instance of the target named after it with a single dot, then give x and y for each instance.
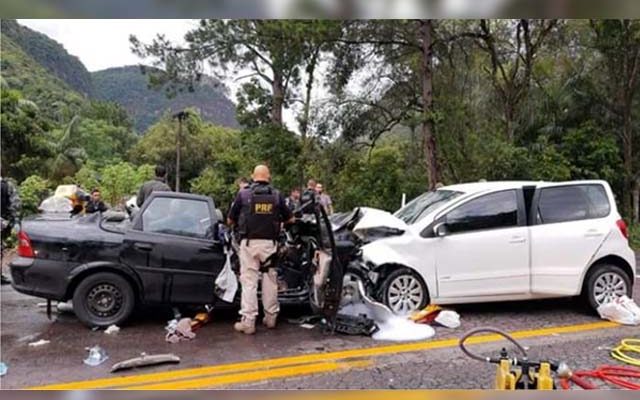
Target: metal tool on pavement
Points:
(146, 360)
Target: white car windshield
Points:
(424, 204)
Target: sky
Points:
(102, 44)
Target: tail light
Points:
(623, 228)
(24, 245)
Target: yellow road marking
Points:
(252, 376)
(314, 358)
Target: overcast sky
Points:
(104, 43)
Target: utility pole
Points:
(180, 116)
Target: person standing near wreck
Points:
(157, 183)
(258, 211)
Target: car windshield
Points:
(424, 204)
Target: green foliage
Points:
(121, 180)
(32, 191)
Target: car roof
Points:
(476, 187)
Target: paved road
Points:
(292, 357)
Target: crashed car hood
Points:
(376, 218)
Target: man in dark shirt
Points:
(157, 183)
(259, 211)
(95, 204)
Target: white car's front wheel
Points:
(605, 283)
(404, 292)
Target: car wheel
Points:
(404, 291)
(103, 299)
(604, 284)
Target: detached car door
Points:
(486, 249)
(175, 234)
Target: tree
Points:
(271, 51)
(32, 190)
(618, 41)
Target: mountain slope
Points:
(21, 72)
(128, 87)
(49, 54)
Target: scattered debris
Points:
(65, 307)
(179, 331)
(3, 369)
(448, 319)
(112, 329)
(95, 328)
(146, 360)
(176, 313)
(226, 284)
(28, 338)
(307, 326)
(426, 315)
(39, 343)
(390, 326)
(355, 325)
(622, 310)
(97, 355)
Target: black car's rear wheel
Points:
(103, 299)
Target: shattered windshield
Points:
(424, 204)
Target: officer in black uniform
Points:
(259, 212)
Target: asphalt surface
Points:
(296, 358)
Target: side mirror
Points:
(441, 230)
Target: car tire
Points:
(103, 299)
(604, 281)
(404, 291)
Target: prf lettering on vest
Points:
(263, 208)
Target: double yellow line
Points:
(300, 365)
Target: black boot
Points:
(4, 280)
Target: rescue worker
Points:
(10, 204)
(324, 199)
(259, 211)
(308, 198)
(95, 204)
(156, 184)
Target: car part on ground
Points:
(145, 360)
(103, 299)
(97, 355)
(355, 325)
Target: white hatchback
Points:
(495, 241)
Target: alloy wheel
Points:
(608, 287)
(405, 294)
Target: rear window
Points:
(572, 203)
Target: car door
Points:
(486, 249)
(570, 223)
(177, 237)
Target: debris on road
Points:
(355, 325)
(112, 329)
(622, 310)
(226, 284)
(448, 319)
(28, 338)
(146, 360)
(426, 315)
(66, 307)
(39, 343)
(97, 355)
(3, 369)
(307, 326)
(181, 330)
(390, 326)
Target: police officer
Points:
(259, 211)
(10, 204)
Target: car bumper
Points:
(39, 278)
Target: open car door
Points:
(326, 282)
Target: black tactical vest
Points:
(260, 217)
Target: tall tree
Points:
(618, 41)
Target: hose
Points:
(621, 353)
(611, 374)
(487, 330)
